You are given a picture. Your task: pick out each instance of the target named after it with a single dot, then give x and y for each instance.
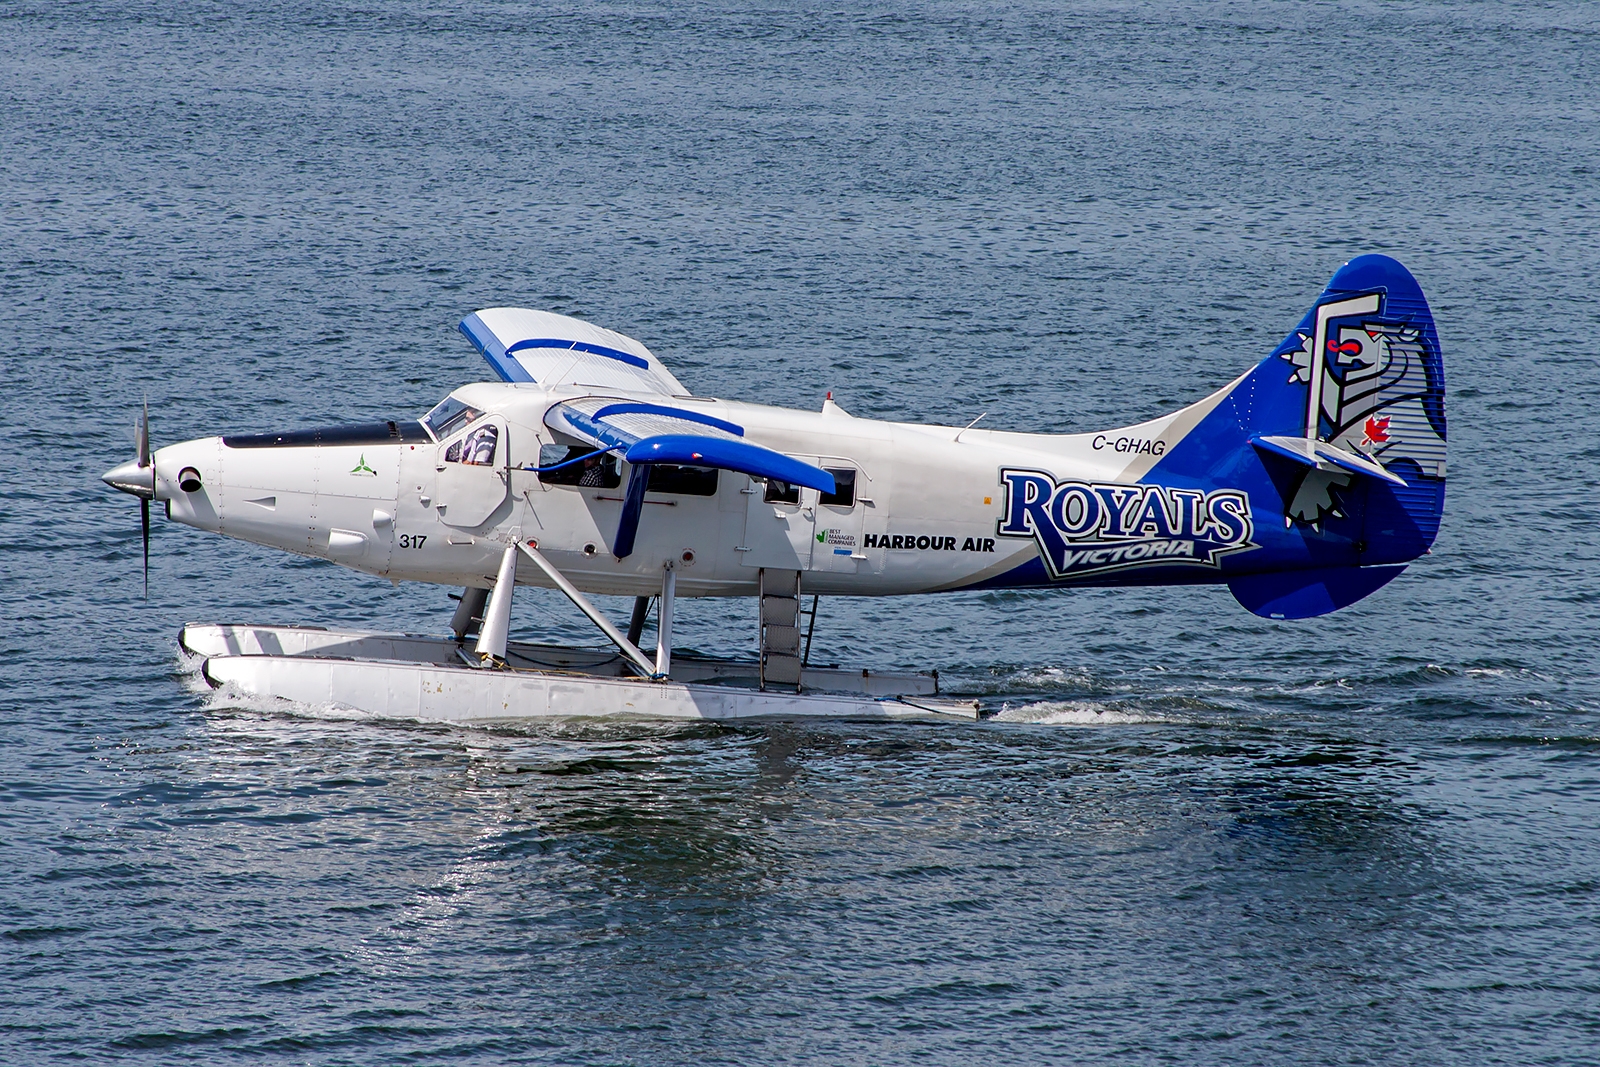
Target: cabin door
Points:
(471, 479)
(777, 525)
(791, 527)
(837, 521)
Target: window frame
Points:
(791, 498)
(611, 467)
(838, 472)
(688, 471)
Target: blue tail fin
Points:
(1365, 365)
(1338, 437)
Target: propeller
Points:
(141, 444)
(139, 478)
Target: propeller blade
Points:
(141, 436)
(144, 526)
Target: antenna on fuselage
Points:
(965, 428)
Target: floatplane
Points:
(1304, 485)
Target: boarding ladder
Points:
(780, 628)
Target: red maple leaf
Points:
(1378, 429)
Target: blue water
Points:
(1188, 836)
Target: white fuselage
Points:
(923, 517)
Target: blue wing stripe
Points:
(579, 346)
(671, 413)
(607, 435)
(483, 340)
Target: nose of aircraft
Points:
(133, 478)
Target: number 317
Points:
(412, 540)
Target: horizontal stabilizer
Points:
(1305, 594)
(1323, 456)
(523, 345)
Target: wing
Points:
(540, 346)
(647, 434)
(653, 433)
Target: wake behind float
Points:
(1304, 485)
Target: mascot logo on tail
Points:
(1372, 383)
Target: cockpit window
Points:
(448, 416)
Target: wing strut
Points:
(632, 506)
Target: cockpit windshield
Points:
(448, 416)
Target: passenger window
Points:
(844, 489)
(687, 481)
(781, 492)
(594, 470)
(476, 449)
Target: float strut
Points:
(641, 608)
(640, 661)
(469, 613)
(497, 617)
(669, 589)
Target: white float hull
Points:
(413, 677)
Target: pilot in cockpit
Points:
(477, 448)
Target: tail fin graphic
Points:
(1370, 355)
(1338, 437)
(1366, 366)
